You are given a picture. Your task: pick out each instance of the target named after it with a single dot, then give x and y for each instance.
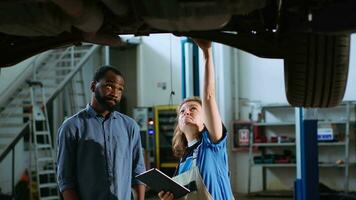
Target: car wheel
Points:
(316, 69)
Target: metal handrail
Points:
(11, 148)
(14, 142)
(28, 70)
(72, 73)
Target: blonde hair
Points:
(179, 141)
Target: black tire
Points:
(316, 69)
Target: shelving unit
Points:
(165, 121)
(279, 120)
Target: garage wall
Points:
(154, 71)
(125, 59)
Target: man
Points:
(99, 149)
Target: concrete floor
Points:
(261, 198)
(244, 197)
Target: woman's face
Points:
(190, 116)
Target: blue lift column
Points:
(190, 68)
(306, 186)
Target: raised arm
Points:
(212, 117)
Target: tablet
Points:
(158, 181)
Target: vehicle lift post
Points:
(306, 186)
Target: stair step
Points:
(21, 105)
(50, 86)
(20, 101)
(53, 77)
(42, 133)
(78, 107)
(57, 68)
(48, 185)
(28, 92)
(28, 96)
(44, 159)
(15, 115)
(78, 93)
(50, 198)
(10, 124)
(44, 146)
(77, 50)
(46, 172)
(69, 59)
(68, 69)
(7, 135)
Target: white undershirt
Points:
(191, 143)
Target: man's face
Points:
(108, 91)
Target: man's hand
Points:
(165, 195)
(70, 194)
(140, 191)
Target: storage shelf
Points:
(293, 123)
(331, 143)
(274, 124)
(332, 122)
(293, 144)
(272, 144)
(276, 165)
(294, 165)
(165, 119)
(276, 105)
(279, 120)
(331, 165)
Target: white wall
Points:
(126, 61)
(9, 74)
(350, 93)
(261, 79)
(156, 54)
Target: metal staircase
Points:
(62, 71)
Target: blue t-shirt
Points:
(99, 157)
(212, 163)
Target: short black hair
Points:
(100, 73)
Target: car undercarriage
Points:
(313, 37)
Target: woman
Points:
(200, 142)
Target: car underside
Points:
(313, 37)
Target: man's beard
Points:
(103, 103)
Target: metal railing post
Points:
(13, 173)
